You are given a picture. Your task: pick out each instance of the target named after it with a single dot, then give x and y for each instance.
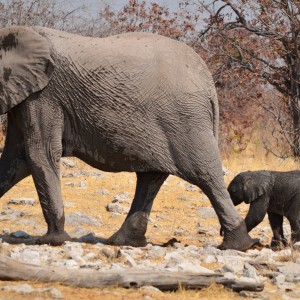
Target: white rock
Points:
(21, 288)
(103, 192)
(229, 275)
(191, 188)
(209, 259)
(68, 162)
(182, 183)
(193, 268)
(28, 289)
(89, 256)
(249, 271)
(129, 260)
(122, 198)
(25, 201)
(55, 293)
(150, 289)
(210, 250)
(73, 250)
(98, 246)
(156, 252)
(174, 258)
(232, 264)
(279, 280)
(111, 252)
(133, 252)
(116, 208)
(248, 280)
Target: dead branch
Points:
(165, 281)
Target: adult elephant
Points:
(134, 102)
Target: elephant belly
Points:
(108, 159)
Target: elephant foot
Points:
(295, 237)
(53, 239)
(132, 232)
(278, 244)
(237, 239)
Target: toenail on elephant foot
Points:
(53, 239)
(237, 239)
(132, 232)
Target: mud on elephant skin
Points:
(119, 104)
(275, 193)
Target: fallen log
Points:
(165, 281)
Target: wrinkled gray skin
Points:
(275, 193)
(133, 102)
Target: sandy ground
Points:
(175, 210)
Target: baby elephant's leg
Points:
(293, 216)
(276, 222)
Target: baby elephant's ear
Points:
(259, 183)
(25, 65)
(255, 192)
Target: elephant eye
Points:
(233, 189)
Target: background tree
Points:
(260, 37)
(227, 47)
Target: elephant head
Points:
(25, 65)
(248, 186)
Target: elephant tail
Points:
(215, 112)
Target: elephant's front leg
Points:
(43, 146)
(132, 231)
(257, 211)
(47, 182)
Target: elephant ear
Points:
(257, 184)
(25, 65)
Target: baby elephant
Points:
(275, 193)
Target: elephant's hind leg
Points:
(132, 231)
(200, 164)
(276, 222)
(293, 216)
(13, 164)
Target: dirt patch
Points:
(175, 214)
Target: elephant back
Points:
(137, 56)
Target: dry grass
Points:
(288, 254)
(210, 293)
